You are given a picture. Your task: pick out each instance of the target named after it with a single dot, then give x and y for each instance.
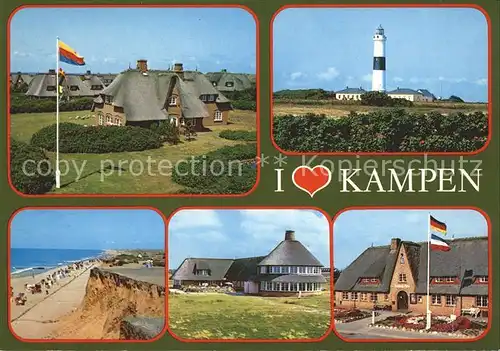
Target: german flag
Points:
(438, 226)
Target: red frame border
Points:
(289, 341)
(72, 208)
(257, 113)
(490, 275)
(337, 153)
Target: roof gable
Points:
(290, 253)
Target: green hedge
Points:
(30, 169)
(382, 131)
(238, 135)
(234, 171)
(26, 104)
(244, 105)
(75, 138)
(375, 98)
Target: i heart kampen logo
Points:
(311, 180)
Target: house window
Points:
(373, 280)
(204, 272)
(450, 300)
(420, 299)
(364, 297)
(74, 88)
(373, 297)
(263, 270)
(117, 120)
(275, 269)
(402, 259)
(229, 84)
(438, 280)
(172, 101)
(483, 279)
(101, 119)
(96, 87)
(345, 295)
(386, 297)
(354, 296)
(436, 300)
(204, 98)
(482, 301)
(450, 279)
(108, 99)
(217, 116)
(51, 88)
(402, 278)
(212, 98)
(108, 119)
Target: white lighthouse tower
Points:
(378, 78)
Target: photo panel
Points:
(408, 79)
(249, 274)
(138, 111)
(87, 274)
(417, 274)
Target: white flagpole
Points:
(58, 172)
(429, 316)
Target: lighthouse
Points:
(378, 78)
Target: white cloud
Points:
(367, 77)
(109, 60)
(21, 54)
(190, 219)
(267, 227)
(192, 58)
(217, 62)
(330, 74)
(397, 79)
(481, 81)
(297, 75)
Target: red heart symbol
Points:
(311, 180)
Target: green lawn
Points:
(121, 172)
(219, 316)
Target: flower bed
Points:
(351, 315)
(439, 324)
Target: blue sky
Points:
(245, 233)
(356, 230)
(88, 229)
(110, 39)
(442, 50)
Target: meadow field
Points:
(333, 109)
(122, 170)
(222, 316)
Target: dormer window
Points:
(74, 88)
(204, 272)
(172, 101)
(108, 99)
(211, 98)
(229, 84)
(96, 87)
(263, 270)
(214, 83)
(51, 88)
(483, 279)
(402, 259)
(204, 98)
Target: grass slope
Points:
(125, 175)
(219, 316)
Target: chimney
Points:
(178, 67)
(395, 243)
(52, 71)
(142, 65)
(290, 235)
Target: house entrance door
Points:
(402, 301)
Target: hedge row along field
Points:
(25, 176)
(25, 104)
(382, 131)
(75, 138)
(239, 135)
(229, 170)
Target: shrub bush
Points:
(238, 135)
(26, 104)
(375, 98)
(391, 130)
(244, 105)
(75, 138)
(25, 176)
(229, 170)
(168, 132)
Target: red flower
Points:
(422, 142)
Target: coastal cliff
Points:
(116, 307)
